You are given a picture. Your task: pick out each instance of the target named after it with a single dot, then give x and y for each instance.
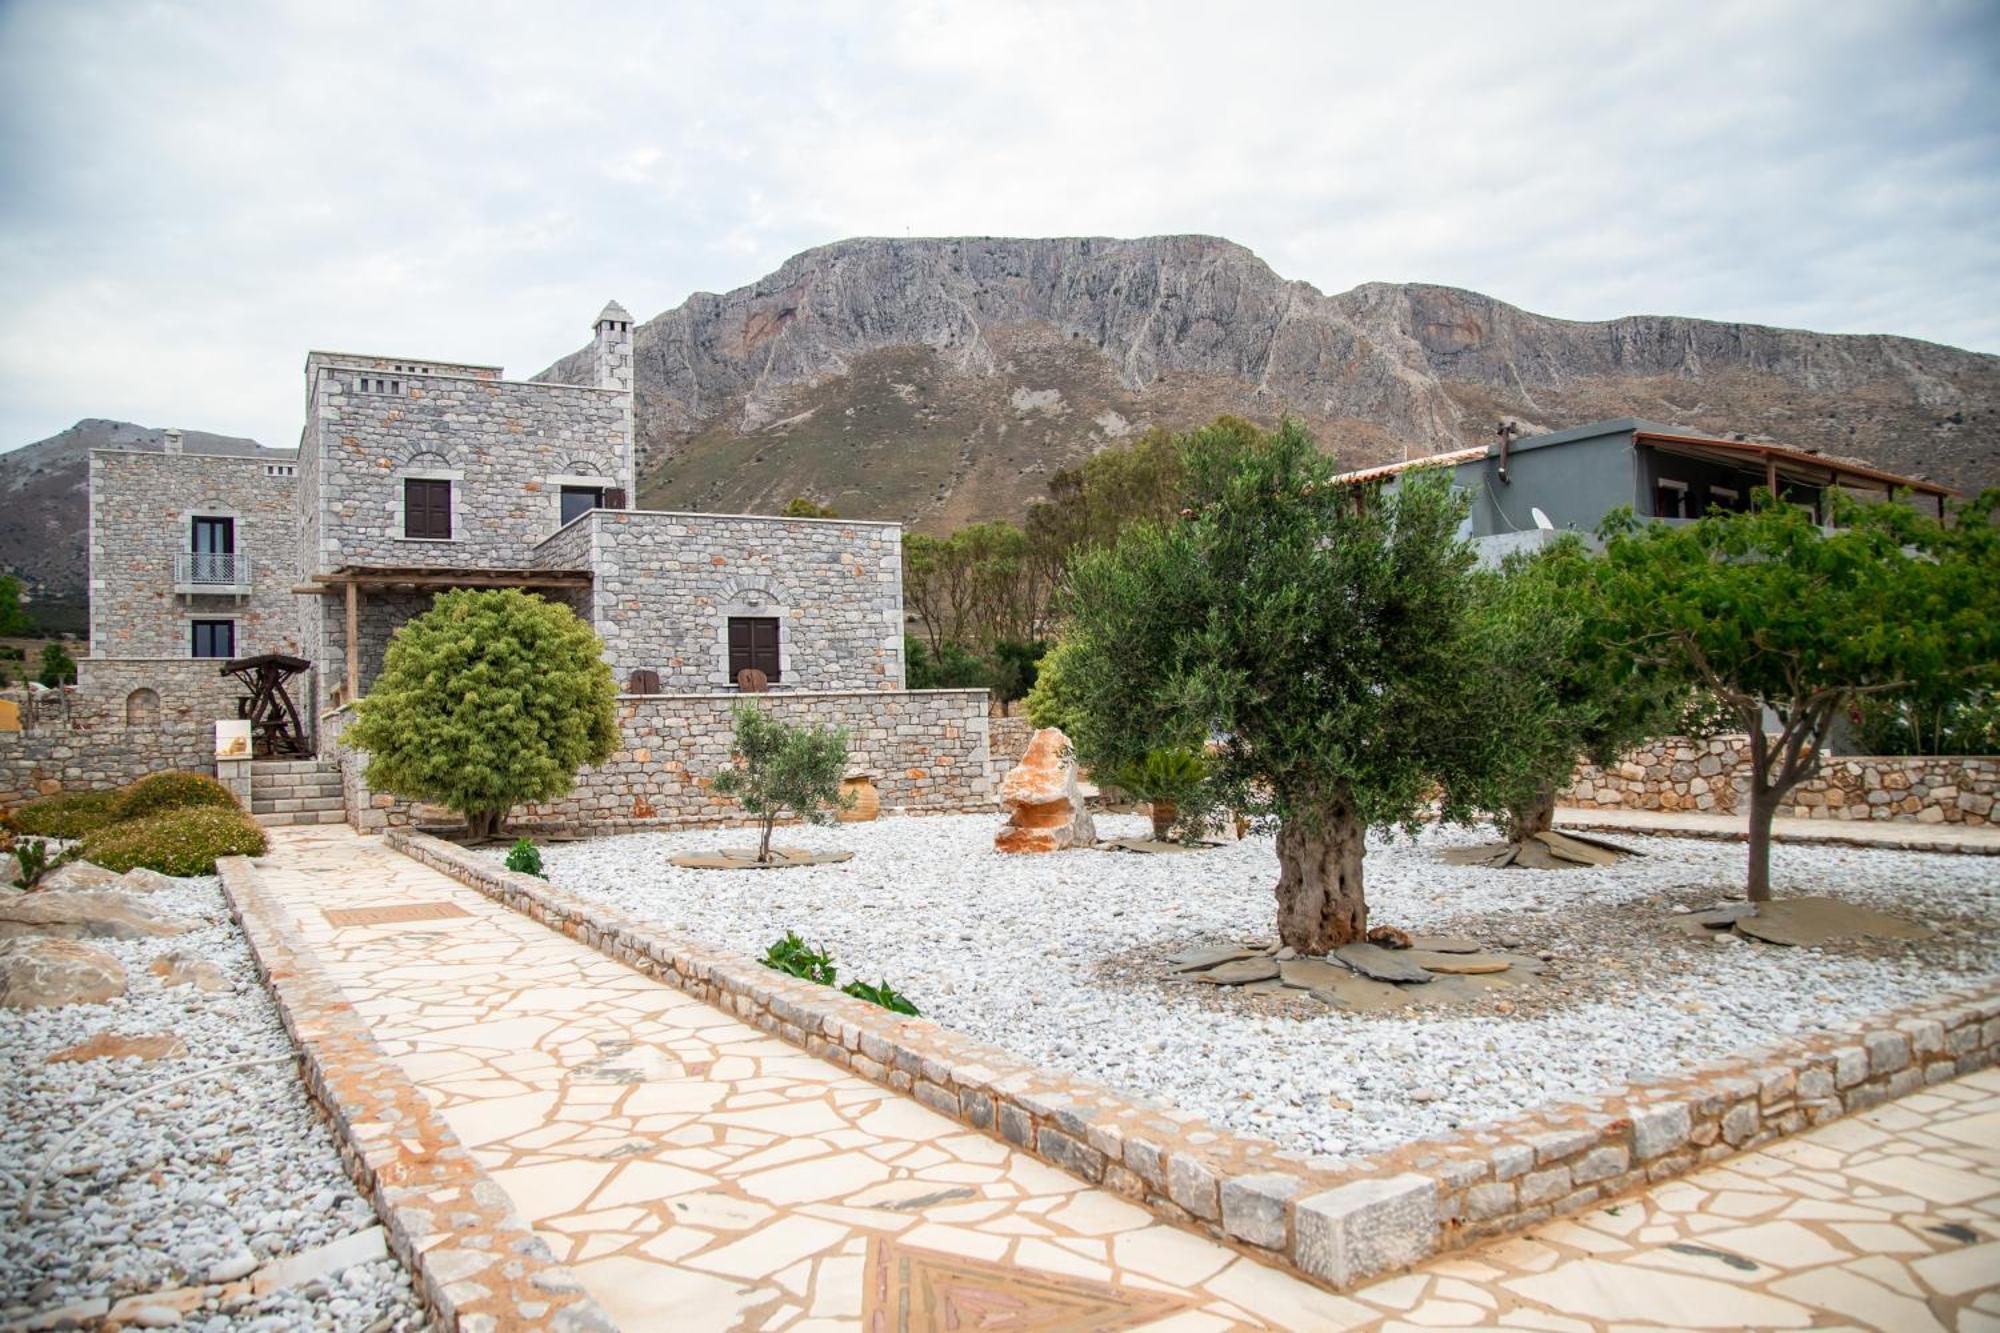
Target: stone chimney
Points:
(613, 348)
(171, 440)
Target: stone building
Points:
(413, 477)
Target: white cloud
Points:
(196, 194)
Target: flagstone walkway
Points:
(698, 1174)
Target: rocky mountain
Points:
(941, 381)
(45, 495)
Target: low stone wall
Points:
(1007, 739)
(111, 737)
(477, 1263)
(926, 749)
(1334, 1221)
(1711, 777)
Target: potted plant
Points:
(1172, 782)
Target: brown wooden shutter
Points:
(614, 498)
(753, 644)
(426, 508)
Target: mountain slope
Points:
(942, 380)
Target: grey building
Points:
(1523, 489)
(413, 477)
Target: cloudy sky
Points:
(193, 195)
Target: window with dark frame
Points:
(1670, 500)
(753, 642)
(212, 638)
(580, 500)
(427, 508)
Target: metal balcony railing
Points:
(211, 571)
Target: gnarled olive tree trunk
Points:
(1538, 816)
(1320, 900)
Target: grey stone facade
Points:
(128, 717)
(666, 586)
(145, 589)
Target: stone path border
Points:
(1332, 1221)
(477, 1264)
(1889, 834)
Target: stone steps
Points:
(296, 791)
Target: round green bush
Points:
(172, 791)
(72, 814)
(176, 842)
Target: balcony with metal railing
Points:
(215, 572)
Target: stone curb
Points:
(1914, 840)
(478, 1266)
(1333, 1221)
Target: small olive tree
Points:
(1790, 624)
(489, 699)
(1323, 632)
(782, 766)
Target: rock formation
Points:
(42, 973)
(1044, 803)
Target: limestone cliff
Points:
(941, 380)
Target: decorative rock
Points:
(1373, 961)
(1307, 973)
(140, 879)
(239, 1265)
(745, 858)
(1045, 807)
(78, 913)
(296, 1270)
(1388, 937)
(178, 969)
(1815, 921)
(1444, 944)
(78, 875)
(109, 1045)
(43, 973)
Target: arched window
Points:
(142, 708)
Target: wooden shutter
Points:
(614, 498)
(426, 508)
(753, 644)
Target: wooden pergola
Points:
(351, 581)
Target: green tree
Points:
(1786, 622)
(58, 667)
(1324, 633)
(489, 699)
(782, 766)
(800, 506)
(14, 618)
(1558, 691)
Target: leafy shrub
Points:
(1175, 780)
(525, 858)
(883, 994)
(58, 667)
(795, 958)
(784, 766)
(32, 856)
(176, 842)
(72, 814)
(160, 792)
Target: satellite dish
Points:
(1541, 519)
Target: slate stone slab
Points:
(746, 859)
(1309, 973)
(1241, 972)
(1381, 964)
(1444, 944)
(1807, 922)
(1200, 960)
(1461, 964)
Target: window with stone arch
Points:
(142, 708)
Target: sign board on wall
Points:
(232, 738)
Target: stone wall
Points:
(666, 586)
(503, 444)
(1711, 777)
(1008, 739)
(926, 749)
(1334, 1221)
(141, 509)
(112, 737)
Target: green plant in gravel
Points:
(32, 857)
(173, 790)
(175, 842)
(525, 858)
(795, 958)
(883, 994)
(784, 766)
(70, 814)
(1174, 780)
(491, 698)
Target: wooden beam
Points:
(353, 642)
(1771, 475)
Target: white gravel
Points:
(1055, 957)
(203, 1176)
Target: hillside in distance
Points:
(942, 381)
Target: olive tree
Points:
(784, 766)
(1321, 635)
(489, 699)
(1789, 625)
